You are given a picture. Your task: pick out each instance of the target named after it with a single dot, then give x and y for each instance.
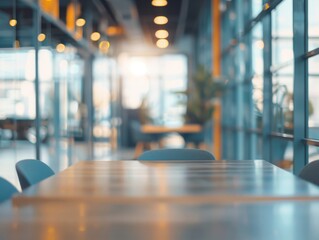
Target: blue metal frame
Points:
(267, 89)
(300, 97)
(300, 42)
(37, 29)
(239, 77)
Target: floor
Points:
(62, 154)
(12, 152)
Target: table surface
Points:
(188, 128)
(165, 200)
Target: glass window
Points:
(313, 153)
(257, 6)
(156, 81)
(257, 50)
(257, 62)
(282, 153)
(313, 24)
(17, 89)
(282, 32)
(313, 94)
(17, 82)
(248, 114)
(102, 72)
(283, 100)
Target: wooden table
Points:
(159, 129)
(165, 200)
(187, 128)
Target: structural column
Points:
(216, 70)
(300, 85)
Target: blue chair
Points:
(176, 154)
(310, 172)
(6, 190)
(31, 171)
(204, 136)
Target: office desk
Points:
(165, 200)
(188, 128)
(159, 129)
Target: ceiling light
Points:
(114, 30)
(13, 22)
(266, 6)
(104, 46)
(160, 20)
(41, 37)
(162, 43)
(95, 36)
(80, 22)
(159, 3)
(60, 48)
(161, 34)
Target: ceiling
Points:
(182, 15)
(135, 16)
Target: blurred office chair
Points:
(32, 171)
(201, 138)
(143, 140)
(6, 190)
(176, 154)
(310, 172)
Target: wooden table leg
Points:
(138, 149)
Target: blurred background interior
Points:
(79, 79)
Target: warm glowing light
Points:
(137, 67)
(78, 34)
(162, 43)
(159, 3)
(161, 34)
(104, 46)
(114, 30)
(80, 22)
(160, 20)
(260, 44)
(41, 37)
(13, 22)
(95, 36)
(60, 48)
(266, 6)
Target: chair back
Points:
(32, 171)
(176, 154)
(6, 190)
(310, 172)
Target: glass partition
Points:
(157, 82)
(17, 86)
(283, 105)
(257, 63)
(313, 24)
(257, 6)
(313, 152)
(282, 33)
(313, 94)
(282, 152)
(103, 132)
(45, 106)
